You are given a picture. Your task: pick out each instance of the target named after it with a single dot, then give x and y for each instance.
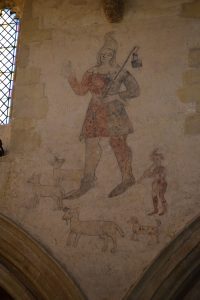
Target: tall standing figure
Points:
(106, 115)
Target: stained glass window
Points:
(9, 31)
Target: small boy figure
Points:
(159, 184)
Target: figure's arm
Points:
(132, 87)
(148, 173)
(79, 88)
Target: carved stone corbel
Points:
(113, 10)
(15, 5)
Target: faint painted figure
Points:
(159, 185)
(58, 173)
(56, 192)
(106, 230)
(137, 229)
(110, 86)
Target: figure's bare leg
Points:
(92, 157)
(69, 239)
(164, 205)
(155, 205)
(76, 240)
(35, 201)
(123, 155)
(134, 236)
(105, 240)
(114, 240)
(155, 192)
(59, 203)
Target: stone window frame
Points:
(9, 35)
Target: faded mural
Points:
(106, 115)
(100, 150)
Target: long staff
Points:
(135, 49)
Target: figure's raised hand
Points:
(135, 49)
(67, 69)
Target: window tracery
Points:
(9, 31)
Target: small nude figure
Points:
(159, 184)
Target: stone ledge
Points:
(190, 93)
(191, 10)
(192, 124)
(194, 57)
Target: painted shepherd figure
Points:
(159, 184)
(106, 116)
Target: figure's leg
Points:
(92, 157)
(123, 155)
(59, 203)
(76, 240)
(162, 199)
(69, 238)
(154, 198)
(105, 240)
(35, 201)
(93, 153)
(155, 205)
(114, 240)
(134, 236)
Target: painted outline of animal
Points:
(103, 229)
(56, 192)
(150, 230)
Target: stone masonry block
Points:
(190, 93)
(194, 57)
(24, 137)
(191, 10)
(191, 77)
(32, 91)
(28, 76)
(23, 56)
(192, 124)
(39, 108)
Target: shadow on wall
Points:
(27, 271)
(175, 273)
(191, 10)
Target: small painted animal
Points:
(138, 229)
(56, 192)
(103, 229)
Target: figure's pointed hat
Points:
(109, 42)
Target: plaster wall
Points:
(47, 118)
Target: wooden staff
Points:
(135, 49)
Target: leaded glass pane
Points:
(9, 28)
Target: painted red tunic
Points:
(106, 119)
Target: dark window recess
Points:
(9, 31)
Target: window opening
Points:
(9, 31)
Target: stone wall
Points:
(47, 160)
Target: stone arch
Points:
(175, 271)
(27, 271)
